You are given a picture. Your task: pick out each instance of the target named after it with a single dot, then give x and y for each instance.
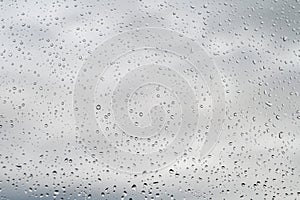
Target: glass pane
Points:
(150, 99)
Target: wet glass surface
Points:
(150, 99)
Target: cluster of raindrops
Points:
(49, 48)
(153, 71)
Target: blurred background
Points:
(255, 46)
